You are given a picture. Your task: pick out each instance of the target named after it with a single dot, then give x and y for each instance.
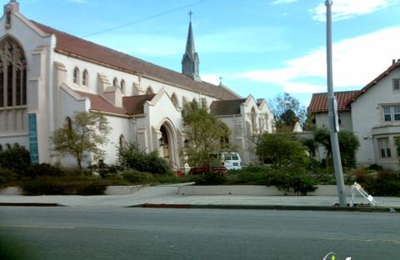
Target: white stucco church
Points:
(46, 75)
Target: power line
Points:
(145, 19)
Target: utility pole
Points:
(332, 110)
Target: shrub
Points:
(137, 177)
(375, 167)
(254, 175)
(44, 186)
(91, 188)
(169, 178)
(43, 169)
(104, 169)
(211, 179)
(16, 159)
(383, 187)
(7, 178)
(360, 176)
(385, 183)
(64, 186)
(131, 157)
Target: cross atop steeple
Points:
(190, 15)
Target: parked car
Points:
(230, 160)
(203, 169)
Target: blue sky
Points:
(258, 47)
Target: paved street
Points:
(140, 233)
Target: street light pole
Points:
(332, 110)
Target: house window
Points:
(76, 75)
(384, 149)
(397, 145)
(115, 82)
(85, 78)
(391, 113)
(396, 84)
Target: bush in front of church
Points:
(131, 157)
(15, 158)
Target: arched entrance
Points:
(164, 144)
(167, 145)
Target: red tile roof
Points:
(319, 101)
(135, 104)
(101, 104)
(71, 45)
(319, 104)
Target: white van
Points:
(231, 160)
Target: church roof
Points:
(135, 104)
(73, 46)
(226, 107)
(101, 104)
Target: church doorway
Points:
(165, 143)
(167, 148)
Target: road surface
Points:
(140, 233)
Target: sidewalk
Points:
(167, 196)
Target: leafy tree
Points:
(205, 134)
(80, 135)
(282, 149)
(309, 124)
(348, 144)
(287, 111)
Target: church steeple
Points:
(190, 60)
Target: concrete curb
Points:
(271, 207)
(28, 204)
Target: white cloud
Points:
(345, 9)
(356, 62)
(213, 78)
(279, 2)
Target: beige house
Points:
(372, 113)
(47, 74)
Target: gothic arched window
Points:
(122, 86)
(115, 82)
(122, 142)
(12, 74)
(13, 87)
(85, 77)
(174, 100)
(76, 75)
(253, 120)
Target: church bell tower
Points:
(190, 60)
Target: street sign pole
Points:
(332, 110)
